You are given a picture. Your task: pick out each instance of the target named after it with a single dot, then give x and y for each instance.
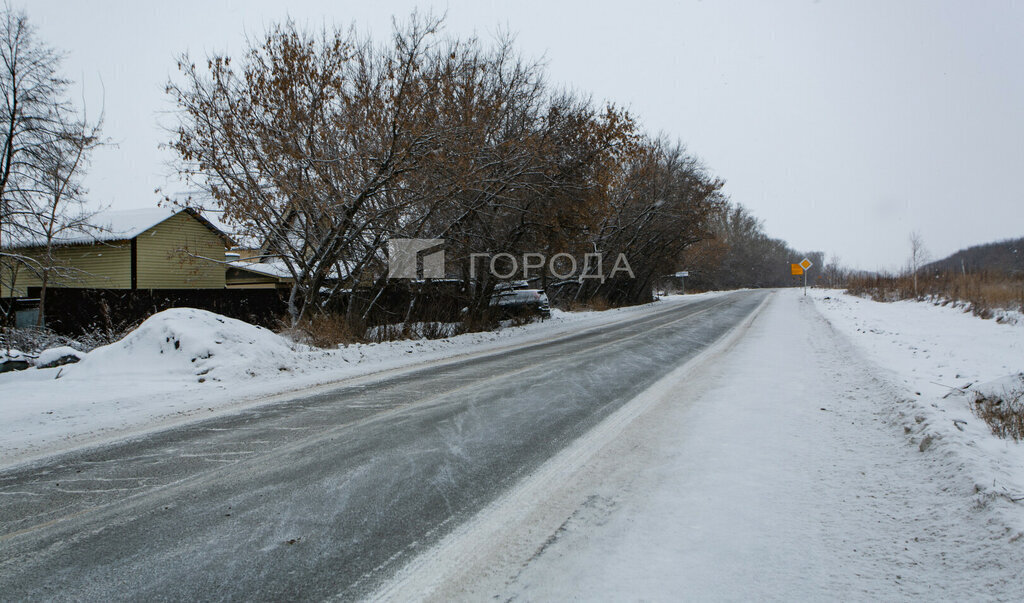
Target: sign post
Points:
(682, 280)
(805, 265)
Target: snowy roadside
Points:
(184, 365)
(775, 468)
(942, 355)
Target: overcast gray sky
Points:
(843, 125)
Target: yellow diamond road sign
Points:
(806, 264)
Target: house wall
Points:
(96, 266)
(180, 253)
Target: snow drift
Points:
(186, 341)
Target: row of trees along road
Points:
(741, 254)
(321, 147)
(46, 143)
(328, 144)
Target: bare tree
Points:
(300, 147)
(59, 204)
(45, 147)
(659, 204)
(833, 272)
(742, 254)
(326, 146)
(918, 257)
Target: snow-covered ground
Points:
(185, 364)
(825, 450)
(941, 356)
(785, 463)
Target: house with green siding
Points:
(154, 248)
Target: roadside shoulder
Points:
(938, 359)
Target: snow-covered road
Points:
(730, 447)
(185, 365)
(327, 493)
(778, 467)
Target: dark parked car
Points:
(517, 299)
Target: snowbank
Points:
(13, 355)
(12, 359)
(184, 343)
(185, 364)
(50, 357)
(942, 356)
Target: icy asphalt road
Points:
(327, 495)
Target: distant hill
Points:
(1001, 256)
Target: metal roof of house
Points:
(274, 269)
(118, 225)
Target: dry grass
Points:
(420, 330)
(981, 292)
(597, 304)
(1003, 414)
(327, 331)
(332, 330)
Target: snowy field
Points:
(788, 463)
(183, 365)
(940, 356)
